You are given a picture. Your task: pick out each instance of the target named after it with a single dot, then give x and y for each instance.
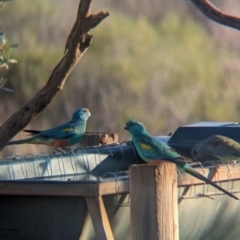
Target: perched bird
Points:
(61, 136)
(152, 150)
(216, 147)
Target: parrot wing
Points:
(154, 149)
(60, 132)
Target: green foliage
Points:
(5, 49)
(32, 72)
(5, 52)
(169, 74)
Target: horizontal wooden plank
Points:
(48, 188)
(221, 174)
(109, 188)
(62, 189)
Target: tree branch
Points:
(212, 12)
(78, 41)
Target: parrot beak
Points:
(88, 112)
(126, 126)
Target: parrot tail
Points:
(19, 142)
(32, 132)
(29, 140)
(201, 177)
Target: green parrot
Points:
(152, 150)
(61, 136)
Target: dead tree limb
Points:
(212, 12)
(78, 41)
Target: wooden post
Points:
(153, 201)
(99, 218)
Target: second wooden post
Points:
(153, 201)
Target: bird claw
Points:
(62, 150)
(67, 149)
(57, 150)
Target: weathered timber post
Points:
(99, 138)
(153, 202)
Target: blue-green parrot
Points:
(152, 150)
(61, 136)
(216, 147)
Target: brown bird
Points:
(216, 147)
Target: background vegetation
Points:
(160, 62)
